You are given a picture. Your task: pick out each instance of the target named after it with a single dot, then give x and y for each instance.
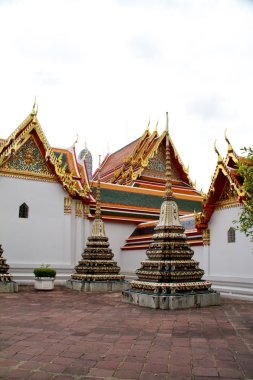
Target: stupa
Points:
(97, 271)
(6, 282)
(170, 278)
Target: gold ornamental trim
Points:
(29, 176)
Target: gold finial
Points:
(168, 177)
(76, 140)
(167, 122)
(98, 205)
(217, 152)
(230, 148)
(148, 124)
(35, 107)
(156, 126)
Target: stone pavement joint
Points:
(68, 335)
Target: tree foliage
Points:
(245, 170)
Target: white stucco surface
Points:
(117, 234)
(229, 259)
(41, 237)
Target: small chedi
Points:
(170, 278)
(97, 271)
(6, 282)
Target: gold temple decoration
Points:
(206, 236)
(67, 205)
(79, 209)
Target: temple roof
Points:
(226, 189)
(28, 144)
(133, 164)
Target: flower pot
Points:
(44, 283)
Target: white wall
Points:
(229, 259)
(45, 236)
(117, 234)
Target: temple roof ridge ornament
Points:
(217, 152)
(35, 107)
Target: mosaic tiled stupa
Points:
(6, 282)
(97, 271)
(170, 278)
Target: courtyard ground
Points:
(66, 335)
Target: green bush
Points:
(44, 271)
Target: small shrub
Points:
(44, 271)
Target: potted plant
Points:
(44, 277)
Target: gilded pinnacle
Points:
(168, 176)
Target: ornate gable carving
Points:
(228, 197)
(27, 161)
(156, 166)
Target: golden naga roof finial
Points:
(230, 148)
(148, 124)
(168, 176)
(167, 123)
(156, 126)
(35, 107)
(218, 153)
(76, 140)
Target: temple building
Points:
(48, 205)
(227, 253)
(45, 193)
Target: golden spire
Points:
(98, 204)
(168, 196)
(98, 227)
(156, 126)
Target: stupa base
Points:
(97, 286)
(8, 287)
(171, 302)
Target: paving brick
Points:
(209, 372)
(100, 372)
(231, 373)
(127, 374)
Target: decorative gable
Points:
(156, 166)
(28, 161)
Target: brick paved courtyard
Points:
(66, 335)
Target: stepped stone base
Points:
(8, 287)
(171, 302)
(98, 286)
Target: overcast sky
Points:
(102, 68)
